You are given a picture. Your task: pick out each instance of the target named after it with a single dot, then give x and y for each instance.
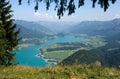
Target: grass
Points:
(59, 72)
(96, 41)
(60, 55)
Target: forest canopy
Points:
(61, 6)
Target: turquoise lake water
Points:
(27, 56)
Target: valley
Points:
(99, 42)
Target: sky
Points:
(86, 12)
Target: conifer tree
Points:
(8, 34)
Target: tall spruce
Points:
(8, 34)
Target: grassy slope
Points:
(60, 55)
(59, 72)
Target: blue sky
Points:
(86, 12)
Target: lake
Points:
(27, 56)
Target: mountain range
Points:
(29, 33)
(104, 28)
(57, 27)
(34, 26)
(96, 27)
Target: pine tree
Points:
(8, 34)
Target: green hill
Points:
(60, 72)
(85, 57)
(107, 56)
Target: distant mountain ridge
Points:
(32, 32)
(34, 26)
(28, 33)
(57, 26)
(96, 27)
(104, 28)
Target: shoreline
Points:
(49, 60)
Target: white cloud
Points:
(117, 16)
(37, 14)
(45, 16)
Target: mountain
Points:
(33, 33)
(111, 58)
(34, 26)
(97, 27)
(28, 33)
(85, 57)
(57, 26)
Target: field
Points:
(61, 51)
(94, 71)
